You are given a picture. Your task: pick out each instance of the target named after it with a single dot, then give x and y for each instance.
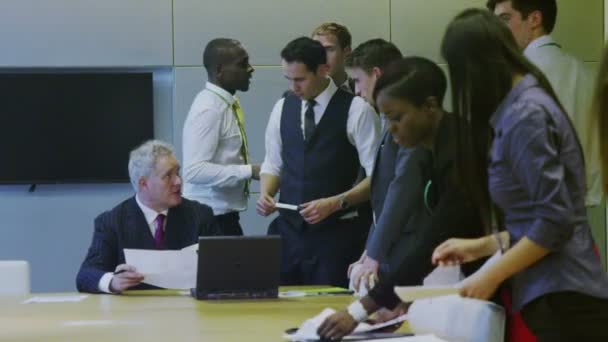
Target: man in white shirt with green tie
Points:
(217, 170)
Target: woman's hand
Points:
(458, 251)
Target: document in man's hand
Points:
(280, 205)
(168, 269)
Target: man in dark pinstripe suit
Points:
(157, 217)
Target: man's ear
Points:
(347, 51)
(142, 183)
(219, 68)
(377, 72)
(535, 19)
(322, 70)
(432, 103)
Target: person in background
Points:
(532, 22)
(522, 163)
(157, 217)
(317, 138)
(410, 94)
(337, 41)
(217, 169)
(388, 186)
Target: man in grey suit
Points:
(389, 188)
(157, 217)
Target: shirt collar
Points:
(538, 42)
(149, 213)
(222, 93)
(346, 84)
(528, 81)
(323, 98)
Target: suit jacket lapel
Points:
(176, 233)
(139, 230)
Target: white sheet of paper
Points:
(103, 322)
(442, 281)
(167, 269)
(417, 338)
(279, 205)
(55, 299)
(193, 247)
(308, 329)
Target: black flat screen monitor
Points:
(72, 127)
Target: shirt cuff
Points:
(104, 282)
(269, 169)
(246, 171)
(549, 236)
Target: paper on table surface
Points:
(417, 338)
(193, 247)
(441, 282)
(55, 299)
(308, 329)
(168, 269)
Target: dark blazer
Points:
(397, 187)
(449, 214)
(125, 226)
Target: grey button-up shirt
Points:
(537, 177)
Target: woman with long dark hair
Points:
(521, 162)
(410, 95)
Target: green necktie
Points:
(240, 119)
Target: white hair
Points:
(142, 160)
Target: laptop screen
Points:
(238, 263)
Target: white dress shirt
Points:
(215, 172)
(573, 84)
(150, 215)
(362, 128)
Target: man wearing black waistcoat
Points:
(317, 138)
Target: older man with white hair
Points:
(157, 217)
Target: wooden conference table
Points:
(157, 316)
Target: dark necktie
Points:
(159, 235)
(309, 120)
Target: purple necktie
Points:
(159, 236)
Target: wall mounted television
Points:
(72, 127)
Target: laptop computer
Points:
(238, 267)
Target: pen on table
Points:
(330, 293)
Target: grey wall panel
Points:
(53, 227)
(252, 223)
(417, 26)
(265, 26)
(86, 33)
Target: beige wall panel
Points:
(417, 26)
(580, 28)
(265, 26)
